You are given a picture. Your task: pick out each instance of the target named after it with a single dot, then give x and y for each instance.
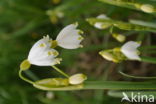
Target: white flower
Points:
(77, 78)
(69, 37)
(102, 25)
(42, 54)
(129, 49)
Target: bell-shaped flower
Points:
(69, 37)
(77, 79)
(42, 54)
(129, 49)
(102, 25)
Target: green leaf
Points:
(119, 94)
(134, 4)
(148, 59)
(96, 85)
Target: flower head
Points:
(129, 49)
(42, 54)
(77, 78)
(69, 37)
(102, 25)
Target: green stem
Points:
(104, 85)
(136, 77)
(119, 85)
(25, 79)
(60, 71)
(111, 29)
(148, 59)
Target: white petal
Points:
(77, 78)
(69, 37)
(129, 49)
(42, 44)
(41, 54)
(101, 25)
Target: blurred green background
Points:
(23, 22)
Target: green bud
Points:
(114, 55)
(54, 19)
(25, 65)
(106, 55)
(119, 37)
(53, 82)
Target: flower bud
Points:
(54, 19)
(77, 79)
(147, 8)
(53, 82)
(25, 65)
(106, 55)
(119, 37)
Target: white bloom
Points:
(129, 49)
(77, 78)
(102, 25)
(42, 55)
(69, 37)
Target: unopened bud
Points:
(147, 8)
(54, 19)
(25, 65)
(77, 79)
(106, 55)
(119, 37)
(53, 82)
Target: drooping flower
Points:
(41, 54)
(77, 79)
(129, 49)
(69, 37)
(102, 25)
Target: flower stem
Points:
(60, 71)
(25, 79)
(148, 59)
(103, 85)
(136, 77)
